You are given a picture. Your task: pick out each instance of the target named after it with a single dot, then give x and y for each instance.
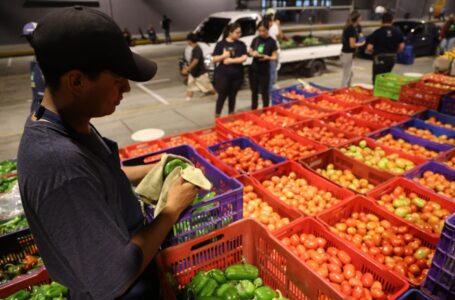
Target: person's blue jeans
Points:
(273, 65)
(447, 44)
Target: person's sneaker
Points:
(188, 99)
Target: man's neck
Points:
(69, 115)
(228, 39)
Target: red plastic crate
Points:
(393, 285)
(394, 119)
(142, 148)
(187, 138)
(411, 187)
(289, 134)
(277, 267)
(277, 206)
(356, 98)
(361, 204)
(212, 159)
(439, 78)
(343, 162)
(312, 179)
(310, 111)
(318, 124)
(209, 136)
(357, 123)
(340, 105)
(373, 144)
(286, 118)
(220, 124)
(25, 282)
(396, 107)
(417, 93)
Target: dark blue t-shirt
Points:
(237, 49)
(81, 209)
(265, 47)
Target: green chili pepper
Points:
(227, 292)
(280, 296)
(258, 282)
(199, 282)
(21, 295)
(264, 293)
(209, 288)
(171, 165)
(203, 208)
(241, 271)
(208, 196)
(246, 289)
(218, 275)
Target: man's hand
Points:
(226, 53)
(185, 71)
(228, 61)
(180, 195)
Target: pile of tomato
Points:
(275, 118)
(349, 125)
(210, 138)
(434, 121)
(323, 135)
(346, 178)
(247, 128)
(393, 109)
(305, 111)
(293, 95)
(374, 118)
(429, 136)
(285, 146)
(181, 140)
(246, 160)
(143, 149)
(400, 144)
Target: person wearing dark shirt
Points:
(448, 34)
(229, 55)
(36, 76)
(127, 36)
(385, 43)
(151, 34)
(352, 33)
(198, 79)
(166, 26)
(263, 49)
(79, 203)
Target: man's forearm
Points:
(136, 173)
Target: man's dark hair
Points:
(192, 37)
(387, 18)
(52, 76)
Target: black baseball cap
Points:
(86, 39)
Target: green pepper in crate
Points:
(246, 289)
(171, 165)
(208, 298)
(264, 293)
(258, 282)
(218, 275)
(199, 282)
(21, 295)
(227, 292)
(209, 288)
(280, 296)
(55, 290)
(241, 271)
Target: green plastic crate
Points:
(388, 85)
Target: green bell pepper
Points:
(246, 289)
(199, 281)
(209, 288)
(264, 293)
(241, 271)
(218, 275)
(208, 298)
(258, 282)
(227, 292)
(171, 165)
(55, 290)
(280, 296)
(21, 295)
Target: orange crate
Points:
(349, 96)
(388, 151)
(209, 136)
(328, 102)
(142, 148)
(356, 124)
(385, 119)
(411, 187)
(304, 110)
(393, 285)
(361, 204)
(182, 139)
(278, 268)
(258, 126)
(277, 206)
(343, 162)
(398, 108)
(260, 138)
(312, 179)
(316, 126)
(25, 282)
(277, 117)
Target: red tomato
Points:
(367, 280)
(349, 271)
(344, 257)
(295, 240)
(346, 289)
(357, 292)
(333, 268)
(336, 277)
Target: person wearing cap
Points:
(36, 76)
(385, 42)
(84, 216)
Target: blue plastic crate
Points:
(278, 98)
(400, 134)
(228, 204)
(244, 142)
(440, 282)
(407, 56)
(448, 104)
(443, 118)
(419, 124)
(413, 294)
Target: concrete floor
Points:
(159, 103)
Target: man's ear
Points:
(75, 81)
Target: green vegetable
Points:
(280, 296)
(13, 224)
(203, 208)
(218, 275)
(258, 282)
(208, 298)
(419, 202)
(21, 295)
(199, 281)
(54, 290)
(241, 271)
(171, 165)
(227, 292)
(209, 288)
(264, 293)
(246, 289)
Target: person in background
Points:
(198, 79)
(36, 76)
(448, 34)
(229, 55)
(151, 34)
(430, 12)
(263, 49)
(384, 43)
(127, 36)
(166, 26)
(352, 34)
(276, 34)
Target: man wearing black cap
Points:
(82, 212)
